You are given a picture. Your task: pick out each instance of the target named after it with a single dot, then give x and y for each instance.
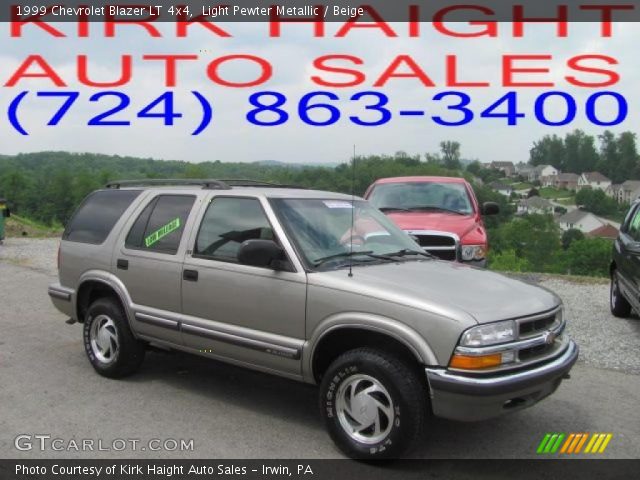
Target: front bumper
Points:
(470, 398)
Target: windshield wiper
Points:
(394, 209)
(433, 207)
(407, 251)
(369, 253)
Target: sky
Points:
(232, 138)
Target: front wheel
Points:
(374, 405)
(620, 307)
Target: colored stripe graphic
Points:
(573, 443)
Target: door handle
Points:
(122, 264)
(190, 275)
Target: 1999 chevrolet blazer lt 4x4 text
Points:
(315, 286)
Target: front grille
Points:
(442, 246)
(533, 327)
(436, 241)
(533, 352)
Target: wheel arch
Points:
(98, 284)
(338, 336)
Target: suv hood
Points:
(445, 222)
(445, 288)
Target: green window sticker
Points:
(162, 232)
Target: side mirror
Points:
(261, 253)
(490, 208)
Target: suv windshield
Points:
(417, 196)
(321, 231)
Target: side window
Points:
(97, 215)
(634, 225)
(227, 223)
(160, 226)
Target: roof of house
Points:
(500, 186)
(595, 177)
(631, 185)
(540, 168)
(574, 216)
(537, 202)
(567, 177)
(502, 164)
(605, 231)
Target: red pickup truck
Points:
(441, 212)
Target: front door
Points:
(249, 314)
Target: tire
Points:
(110, 346)
(389, 418)
(620, 307)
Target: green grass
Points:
(555, 193)
(18, 226)
(522, 186)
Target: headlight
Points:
(473, 252)
(489, 334)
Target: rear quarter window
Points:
(97, 214)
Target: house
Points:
(567, 181)
(535, 205)
(594, 180)
(615, 191)
(541, 171)
(508, 168)
(607, 231)
(629, 191)
(580, 220)
(524, 170)
(501, 188)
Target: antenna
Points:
(353, 209)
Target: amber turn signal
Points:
(475, 362)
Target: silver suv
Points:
(315, 286)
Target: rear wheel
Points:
(110, 346)
(620, 307)
(374, 405)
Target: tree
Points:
(450, 154)
(596, 201)
(609, 155)
(589, 256)
(570, 236)
(535, 238)
(534, 192)
(628, 156)
(508, 261)
(550, 150)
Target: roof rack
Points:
(205, 183)
(211, 183)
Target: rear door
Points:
(148, 260)
(248, 314)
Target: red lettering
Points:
(607, 15)
(575, 63)
(126, 66)
(212, 71)
(276, 20)
(377, 23)
(111, 22)
(320, 63)
(452, 75)
(18, 22)
(519, 20)
(45, 72)
(509, 70)
(490, 28)
(398, 62)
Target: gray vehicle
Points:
(315, 286)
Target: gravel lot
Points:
(48, 387)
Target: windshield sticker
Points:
(337, 204)
(162, 232)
